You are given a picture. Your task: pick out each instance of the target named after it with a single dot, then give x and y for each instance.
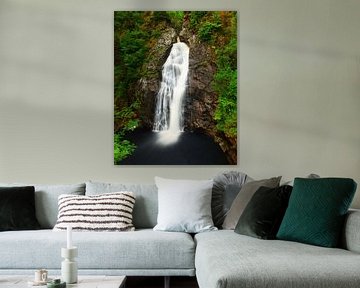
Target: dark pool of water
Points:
(187, 148)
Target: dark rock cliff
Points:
(201, 100)
(150, 82)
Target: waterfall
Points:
(169, 103)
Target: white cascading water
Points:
(168, 118)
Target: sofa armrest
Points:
(351, 234)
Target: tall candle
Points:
(69, 237)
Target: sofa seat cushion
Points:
(142, 249)
(225, 259)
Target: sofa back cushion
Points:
(350, 238)
(46, 200)
(146, 204)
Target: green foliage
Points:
(227, 55)
(119, 86)
(127, 117)
(131, 56)
(127, 20)
(206, 24)
(225, 83)
(176, 19)
(195, 18)
(122, 148)
(225, 78)
(128, 121)
(207, 29)
(161, 16)
(131, 43)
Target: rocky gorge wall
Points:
(201, 99)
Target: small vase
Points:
(69, 271)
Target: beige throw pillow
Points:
(243, 198)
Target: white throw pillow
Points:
(104, 212)
(184, 205)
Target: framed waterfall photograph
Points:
(175, 88)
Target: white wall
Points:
(299, 90)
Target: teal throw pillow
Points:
(316, 211)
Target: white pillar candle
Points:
(69, 237)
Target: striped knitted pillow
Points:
(105, 212)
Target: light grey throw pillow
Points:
(226, 187)
(184, 205)
(310, 176)
(243, 198)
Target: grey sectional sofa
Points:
(218, 259)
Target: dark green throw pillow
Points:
(17, 208)
(316, 211)
(263, 214)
